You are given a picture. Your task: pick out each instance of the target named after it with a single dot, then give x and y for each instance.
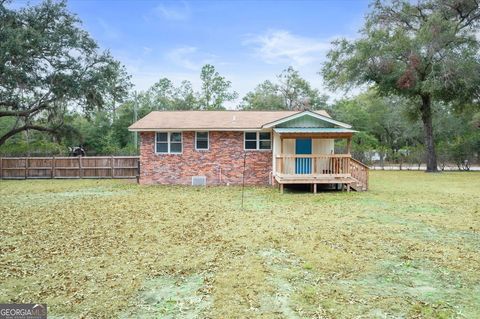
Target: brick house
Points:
(254, 147)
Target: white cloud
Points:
(280, 49)
(178, 11)
(190, 58)
(147, 50)
(148, 69)
(109, 31)
(280, 46)
(183, 57)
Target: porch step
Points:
(357, 185)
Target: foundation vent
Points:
(199, 180)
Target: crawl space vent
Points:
(199, 180)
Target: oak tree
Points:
(426, 51)
(49, 64)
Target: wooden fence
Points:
(69, 167)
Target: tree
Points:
(292, 92)
(48, 64)
(297, 92)
(425, 52)
(161, 94)
(457, 135)
(362, 143)
(164, 96)
(383, 117)
(184, 98)
(265, 96)
(215, 89)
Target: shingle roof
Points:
(209, 120)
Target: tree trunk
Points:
(426, 112)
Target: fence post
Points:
(1, 168)
(26, 167)
(138, 170)
(52, 173)
(80, 167)
(113, 166)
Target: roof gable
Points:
(306, 119)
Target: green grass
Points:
(408, 248)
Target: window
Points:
(168, 142)
(201, 141)
(258, 141)
(250, 140)
(175, 142)
(162, 143)
(264, 141)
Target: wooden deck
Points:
(321, 169)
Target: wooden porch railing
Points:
(321, 169)
(329, 165)
(359, 171)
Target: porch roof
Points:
(307, 130)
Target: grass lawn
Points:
(409, 247)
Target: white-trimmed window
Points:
(257, 141)
(264, 140)
(202, 142)
(168, 142)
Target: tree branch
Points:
(465, 18)
(24, 112)
(11, 133)
(9, 103)
(42, 104)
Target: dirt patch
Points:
(291, 280)
(183, 297)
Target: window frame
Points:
(164, 142)
(208, 141)
(263, 140)
(257, 141)
(169, 142)
(245, 140)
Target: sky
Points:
(247, 41)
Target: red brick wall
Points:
(222, 164)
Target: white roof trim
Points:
(309, 113)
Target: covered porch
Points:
(307, 156)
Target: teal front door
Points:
(303, 165)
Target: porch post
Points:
(281, 162)
(349, 145)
